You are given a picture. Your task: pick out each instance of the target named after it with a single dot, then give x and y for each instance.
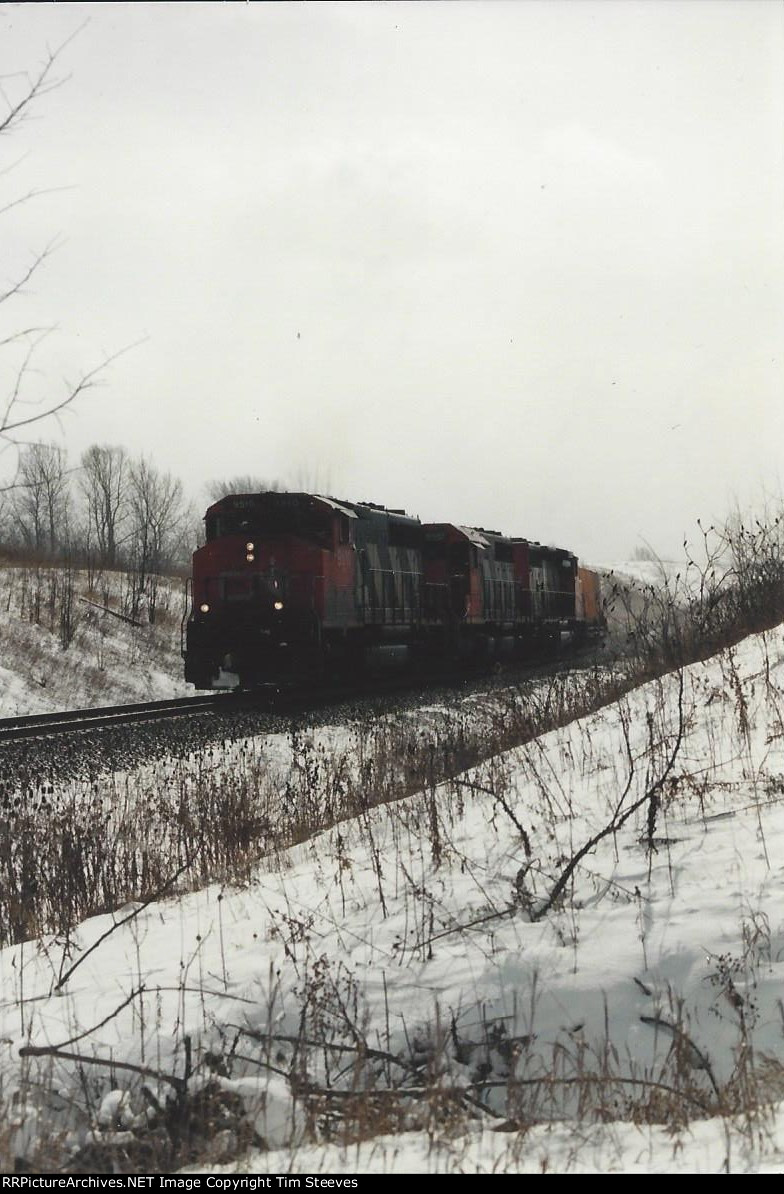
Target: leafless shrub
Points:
(730, 584)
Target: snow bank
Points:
(406, 945)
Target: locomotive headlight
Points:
(204, 607)
(250, 557)
(250, 546)
(278, 606)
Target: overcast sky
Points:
(511, 264)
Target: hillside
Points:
(59, 651)
(584, 932)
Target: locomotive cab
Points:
(259, 587)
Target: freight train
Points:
(293, 587)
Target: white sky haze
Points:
(516, 264)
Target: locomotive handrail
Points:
(186, 614)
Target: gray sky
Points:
(515, 264)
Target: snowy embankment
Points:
(60, 650)
(644, 572)
(408, 980)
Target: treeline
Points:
(111, 511)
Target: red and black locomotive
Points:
(295, 585)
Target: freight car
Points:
(293, 586)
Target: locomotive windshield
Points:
(271, 516)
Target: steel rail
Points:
(72, 720)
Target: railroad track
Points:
(286, 702)
(73, 720)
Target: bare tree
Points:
(157, 515)
(104, 482)
(41, 498)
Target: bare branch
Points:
(86, 382)
(35, 194)
(619, 818)
(36, 87)
(14, 396)
(156, 895)
(20, 335)
(144, 1071)
(547, 1080)
(38, 260)
(112, 1015)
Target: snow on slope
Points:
(643, 572)
(411, 929)
(109, 661)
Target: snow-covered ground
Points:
(411, 954)
(108, 660)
